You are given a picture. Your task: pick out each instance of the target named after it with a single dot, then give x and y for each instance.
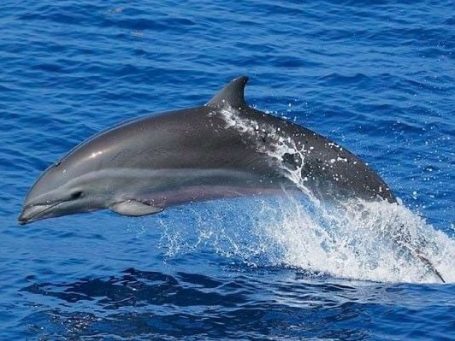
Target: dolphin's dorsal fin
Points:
(232, 95)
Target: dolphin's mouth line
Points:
(38, 214)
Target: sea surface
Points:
(376, 77)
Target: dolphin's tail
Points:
(429, 265)
(415, 252)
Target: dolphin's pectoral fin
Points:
(134, 208)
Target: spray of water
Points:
(357, 241)
(360, 241)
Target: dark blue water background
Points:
(378, 78)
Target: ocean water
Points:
(376, 77)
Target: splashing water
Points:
(279, 145)
(357, 241)
(353, 239)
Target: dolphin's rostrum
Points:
(222, 149)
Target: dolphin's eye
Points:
(76, 195)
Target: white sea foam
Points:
(359, 241)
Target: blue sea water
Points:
(377, 77)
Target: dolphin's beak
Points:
(34, 212)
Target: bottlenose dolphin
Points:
(224, 148)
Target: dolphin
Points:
(221, 149)
(224, 148)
